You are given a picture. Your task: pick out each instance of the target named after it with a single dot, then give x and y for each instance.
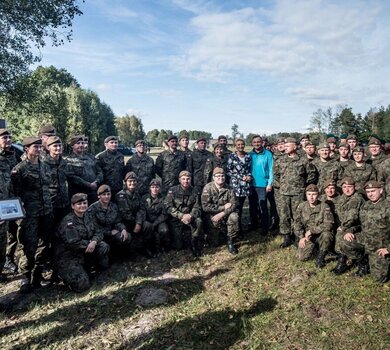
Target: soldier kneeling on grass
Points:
(313, 226)
(79, 246)
(219, 206)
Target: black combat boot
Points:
(362, 267)
(341, 266)
(196, 247)
(286, 241)
(321, 259)
(25, 285)
(231, 247)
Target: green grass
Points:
(263, 298)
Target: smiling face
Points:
(111, 145)
(131, 184)
(257, 143)
(358, 156)
(185, 181)
(375, 150)
(172, 144)
(201, 145)
(219, 179)
(55, 149)
(79, 147)
(330, 191)
(374, 194)
(184, 142)
(240, 146)
(80, 208)
(105, 197)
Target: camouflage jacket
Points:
(168, 167)
(58, 187)
(375, 221)
(180, 201)
(199, 159)
(343, 165)
(375, 162)
(74, 234)
(188, 154)
(318, 219)
(360, 174)
(213, 162)
(130, 206)
(82, 171)
(113, 168)
(327, 170)
(213, 200)
(144, 168)
(31, 183)
(155, 210)
(384, 175)
(347, 213)
(105, 219)
(6, 190)
(293, 174)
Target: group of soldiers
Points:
(83, 210)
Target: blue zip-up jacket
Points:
(262, 165)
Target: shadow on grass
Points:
(211, 330)
(82, 317)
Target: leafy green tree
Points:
(130, 129)
(235, 131)
(27, 24)
(151, 137)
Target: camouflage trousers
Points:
(3, 243)
(160, 235)
(74, 270)
(34, 236)
(287, 208)
(141, 240)
(179, 237)
(323, 240)
(379, 266)
(216, 232)
(12, 239)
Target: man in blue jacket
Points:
(262, 178)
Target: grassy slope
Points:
(262, 298)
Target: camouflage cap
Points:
(79, 197)
(48, 130)
(110, 138)
(172, 137)
(218, 170)
(312, 188)
(131, 175)
(344, 145)
(329, 182)
(374, 141)
(53, 139)
(358, 149)
(331, 140)
(352, 137)
(290, 140)
(75, 139)
(184, 173)
(347, 181)
(139, 142)
(155, 182)
(31, 140)
(4, 131)
(373, 184)
(103, 189)
(201, 139)
(322, 146)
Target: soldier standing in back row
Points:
(31, 179)
(199, 158)
(170, 163)
(112, 164)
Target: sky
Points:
(206, 65)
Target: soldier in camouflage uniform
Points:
(292, 174)
(344, 158)
(44, 133)
(132, 212)
(58, 184)
(156, 216)
(183, 206)
(310, 150)
(143, 166)
(31, 180)
(384, 175)
(359, 170)
(84, 175)
(374, 239)
(352, 141)
(377, 156)
(112, 164)
(8, 162)
(222, 140)
(347, 219)
(327, 168)
(219, 206)
(104, 214)
(313, 225)
(216, 160)
(5, 193)
(332, 142)
(79, 246)
(184, 142)
(199, 158)
(170, 163)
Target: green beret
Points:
(358, 149)
(79, 197)
(373, 184)
(312, 188)
(280, 140)
(31, 140)
(352, 137)
(110, 138)
(329, 182)
(103, 189)
(374, 141)
(53, 139)
(76, 138)
(347, 181)
(344, 145)
(131, 175)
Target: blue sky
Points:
(206, 65)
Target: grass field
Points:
(263, 298)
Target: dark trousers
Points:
(258, 207)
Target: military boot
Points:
(231, 247)
(10, 266)
(195, 247)
(25, 285)
(341, 266)
(362, 267)
(286, 241)
(321, 259)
